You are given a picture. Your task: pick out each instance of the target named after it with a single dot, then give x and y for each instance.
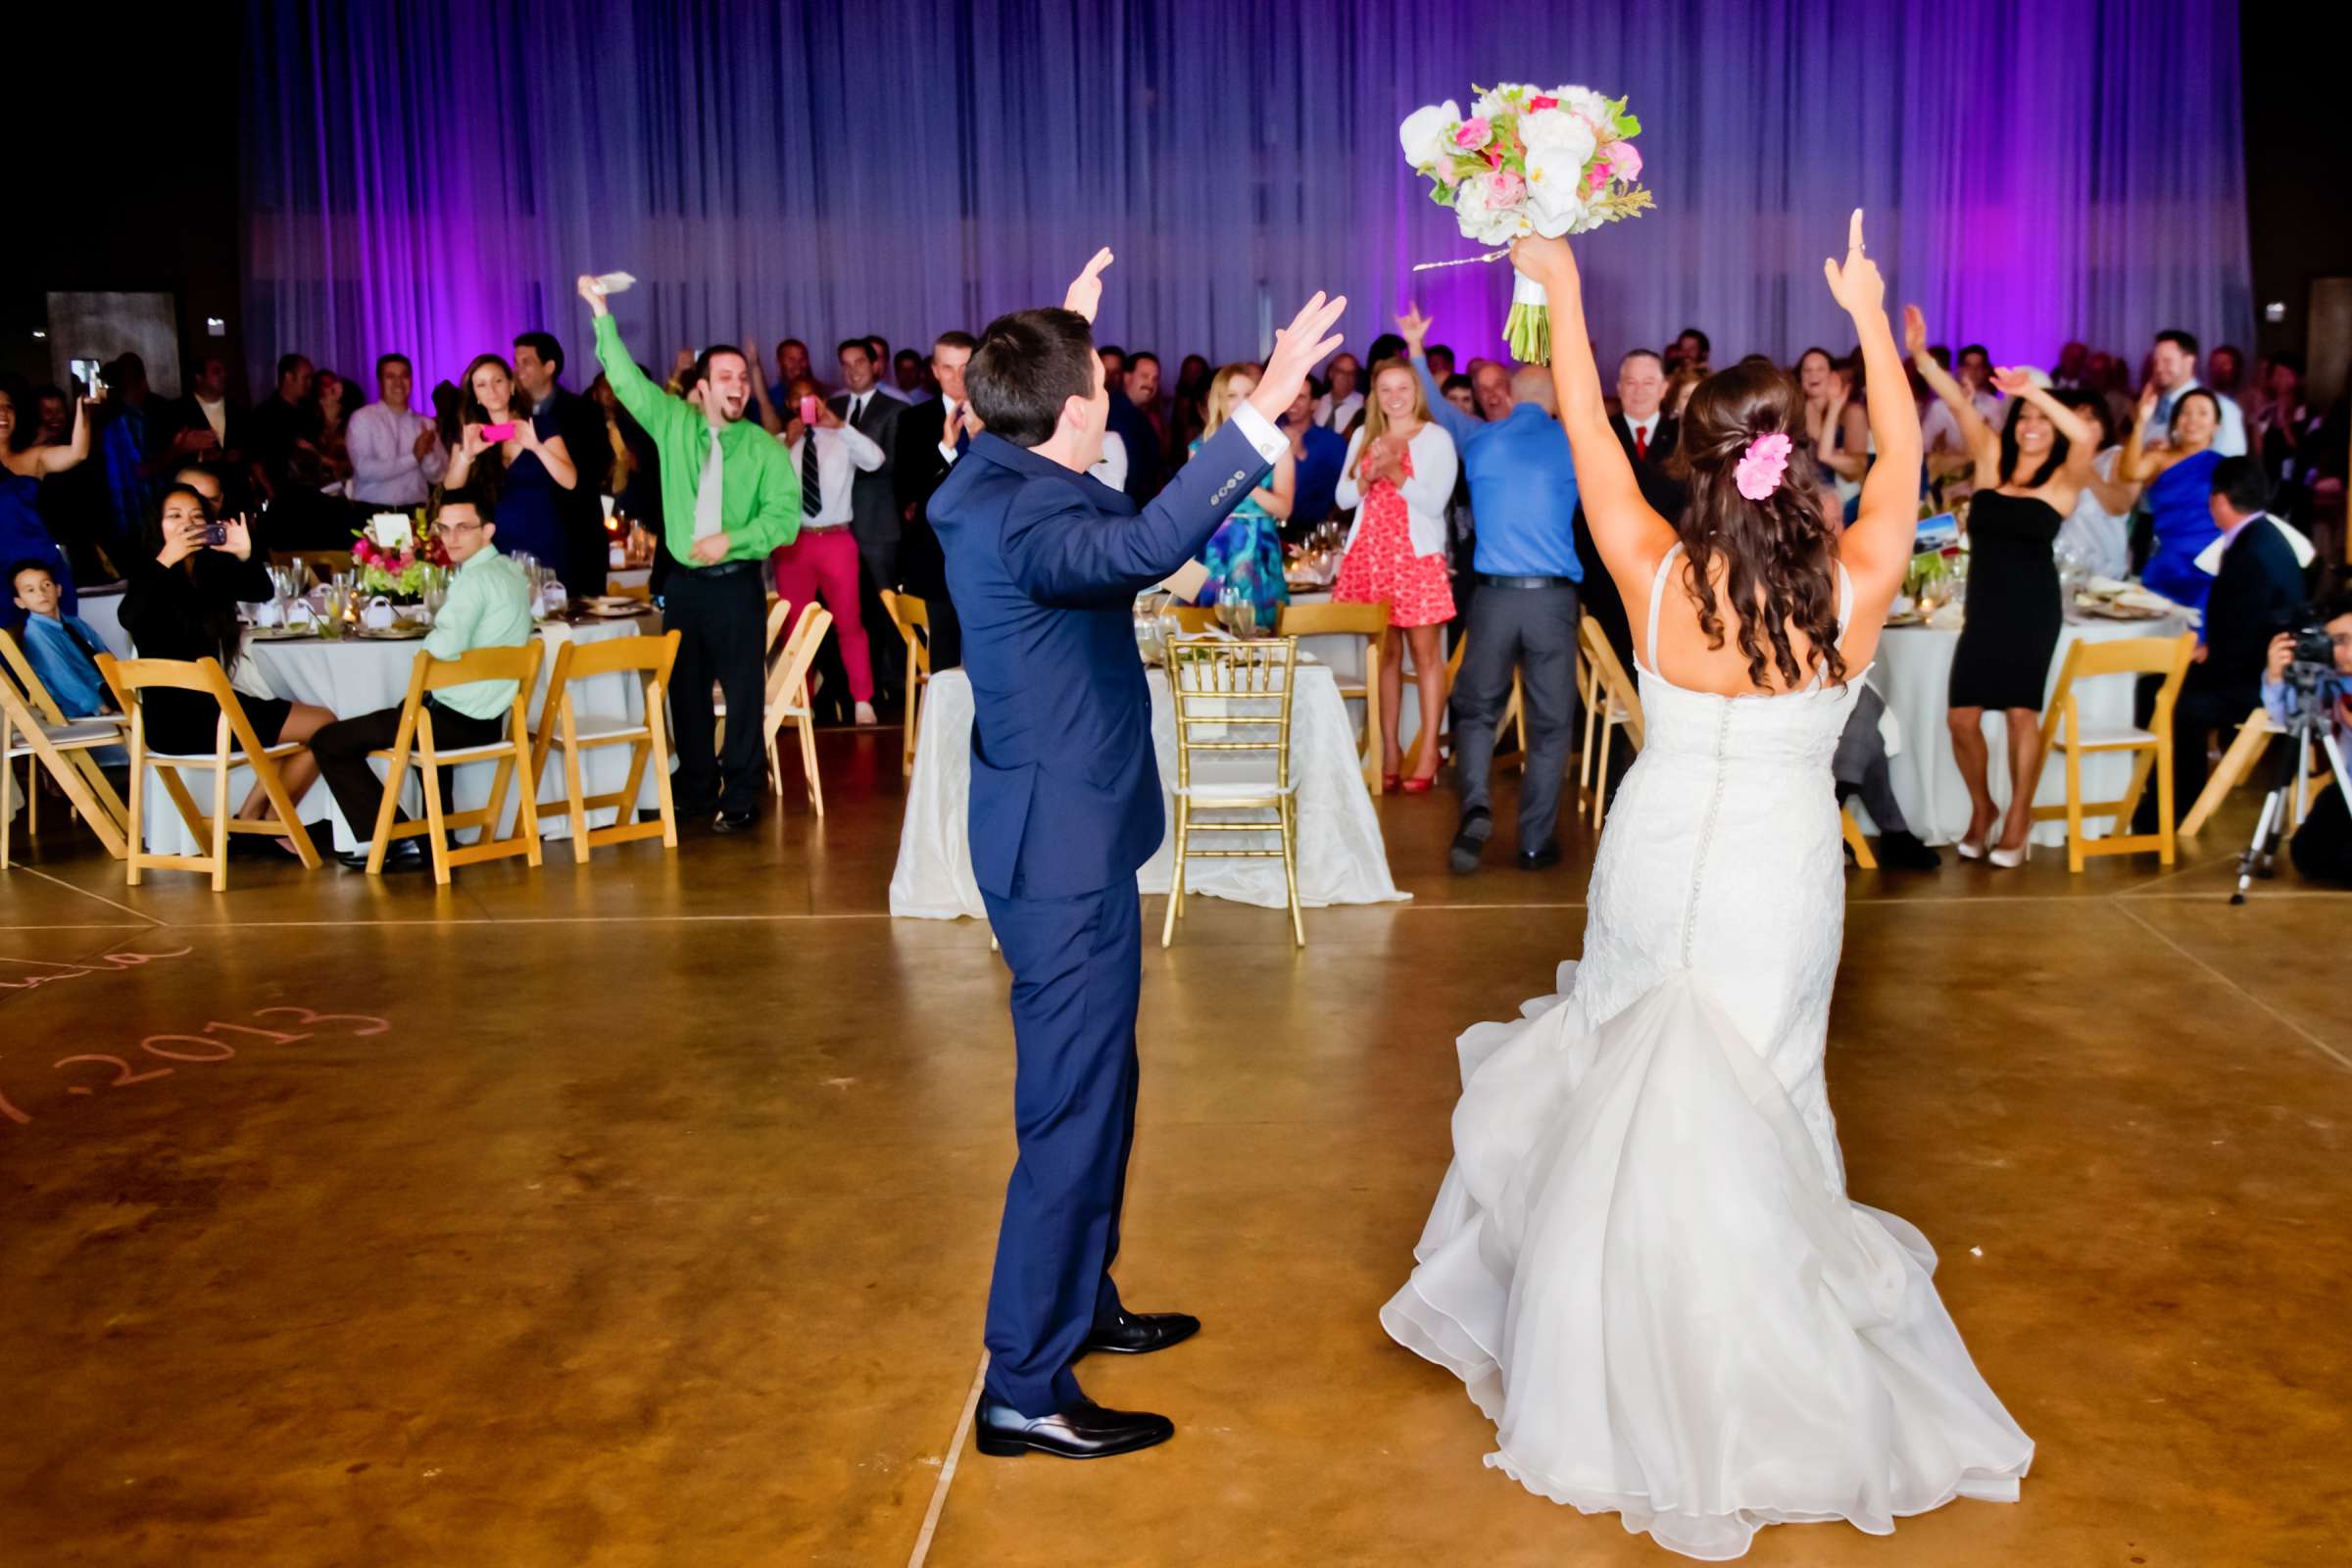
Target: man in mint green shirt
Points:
(489, 606)
(729, 496)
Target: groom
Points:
(1043, 564)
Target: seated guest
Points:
(396, 454)
(1316, 456)
(1860, 767)
(2173, 375)
(2257, 586)
(2321, 847)
(822, 560)
(489, 606)
(2178, 479)
(183, 604)
(60, 648)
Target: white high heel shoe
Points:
(2011, 859)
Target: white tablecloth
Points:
(351, 678)
(1913, 674)
(1342, 857)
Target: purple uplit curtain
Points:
(430, 175)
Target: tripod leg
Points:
(2258, 852)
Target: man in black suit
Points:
(1649, 435)
(1134, 431)
(932, 437)
(2257, 587)
(864, 406)
(587, 553)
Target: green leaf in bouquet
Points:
(1442, 193)
(1628, 125)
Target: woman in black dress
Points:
(2027, 477)
(183, 604)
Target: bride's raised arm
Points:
(1629, 533)
(1877, 549)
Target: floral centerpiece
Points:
(1528, 160)
(392, 553)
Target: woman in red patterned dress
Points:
(1398, 476)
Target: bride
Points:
(1643, 1261)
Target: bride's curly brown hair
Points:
(1782, 567)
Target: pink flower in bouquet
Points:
(1625, 160)
(1505, 189)
(1543, 100)
(1473, 134)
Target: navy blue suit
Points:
(1043, 564)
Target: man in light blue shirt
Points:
(1524, 614)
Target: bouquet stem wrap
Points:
(1527, 332)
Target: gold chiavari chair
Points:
(2062, 731)
(560, 725)
(412, 746)
(912, 617)
(1233, 698)
(1371, 624)
(234, 745)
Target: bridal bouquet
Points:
(1529, 162)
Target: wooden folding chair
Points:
(1854, 840)
(2063, 730)
(323, 563)
(648, 739)
(34, 727)
(914, 619)
(1193, 619)
(788, 697)
(413, 747)
(234, 745)
(1612, 703)
(1227, 697)
(2244, 753)
(1371, 624)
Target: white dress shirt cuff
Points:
(1270, 442)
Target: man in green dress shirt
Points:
(729, 496)
(489, 606)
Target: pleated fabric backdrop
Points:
(430, 175)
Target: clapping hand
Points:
(426, 439)
(1856, 285)
(1915, 332)
(1415, 328)
(1297, 349)
(1085, 295)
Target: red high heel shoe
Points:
(1389, 782)
(1418, 786)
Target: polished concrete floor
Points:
(641, 1214)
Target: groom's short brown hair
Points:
(1028, 365)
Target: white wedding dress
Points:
(1643, 1261)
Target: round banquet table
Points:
(1342, 857)
(1913, 674)
(352, 678)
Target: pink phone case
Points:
(809, 411)
(498, 432)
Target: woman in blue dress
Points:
(1244, 556)
(23, 536)
(521, 472)
(2180, 481)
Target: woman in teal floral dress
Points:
(1243, 558)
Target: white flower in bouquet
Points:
(1428, 133)
(1529, 161)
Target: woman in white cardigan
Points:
(1399, 477)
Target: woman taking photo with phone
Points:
(183, 604)
(523, 459)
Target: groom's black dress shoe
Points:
(1140, 1333)
(1540, 859)
(1080, 1430)
(1470, 840)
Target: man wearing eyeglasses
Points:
(489, 606)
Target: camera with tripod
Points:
(2314, 687)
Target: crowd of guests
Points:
(1452, 483)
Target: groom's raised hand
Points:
(1297, 349)
(1086, 289)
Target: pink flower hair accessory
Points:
(1759, 470)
